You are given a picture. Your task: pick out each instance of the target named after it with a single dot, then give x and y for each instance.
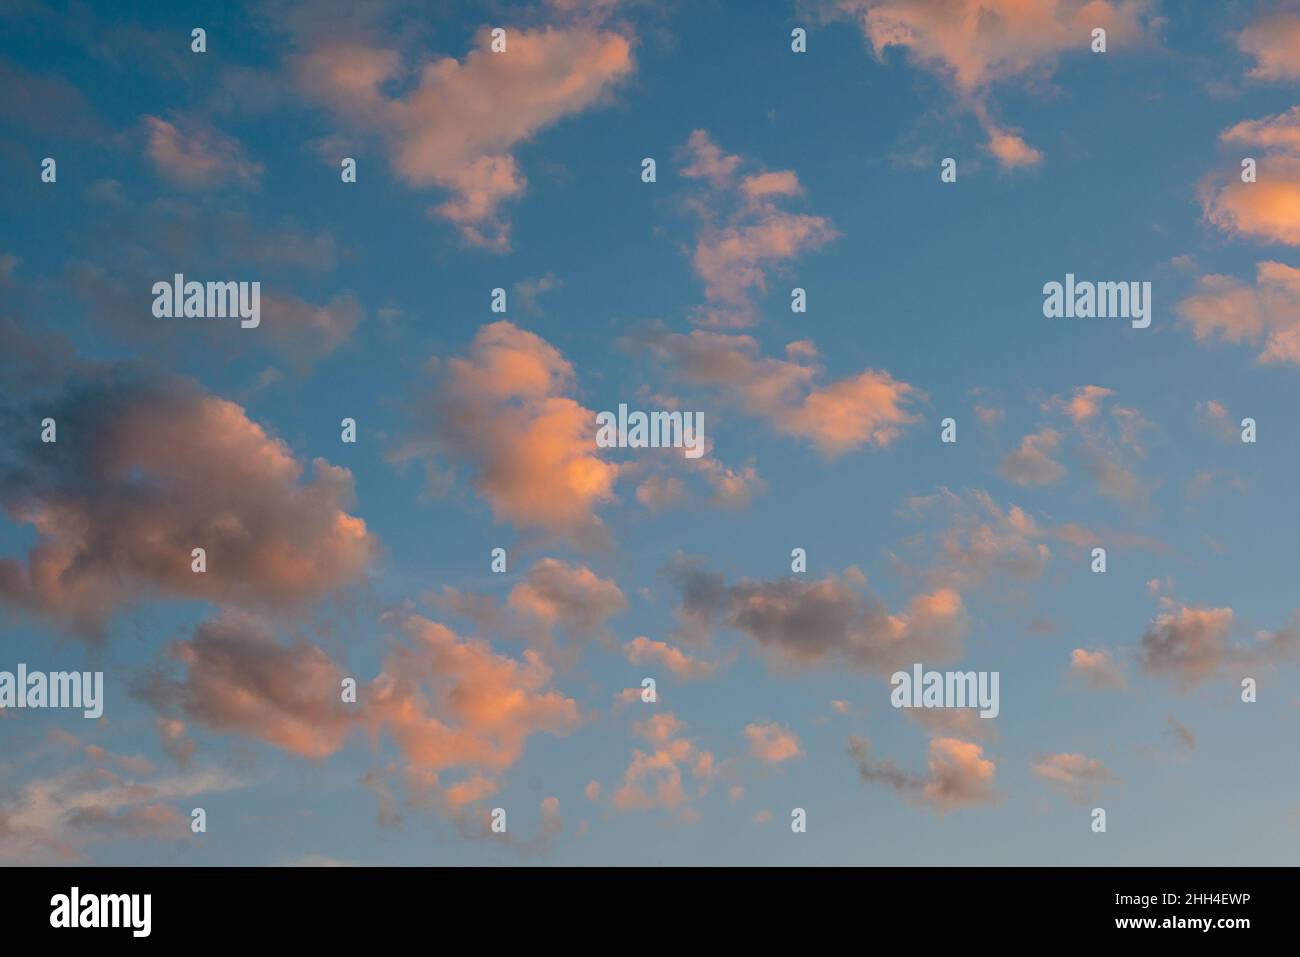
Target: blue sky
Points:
(225, 165)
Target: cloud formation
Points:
(147, 467)
(869, 409)
(957, 774)
(1265, 316)
(458, 123)
(504, 410)
(974, 45)
(744, 232)
(799, 622)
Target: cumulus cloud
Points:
(1274, 42)
(573, 597)
(871, 408)
(1267, 210)
(983, 541)
(239, 678)
(551, 599)
(1032, 462)
(148, 466)
(1077, 774)
(771, 742)
(458, 122)
(744, 232)
(808, 623)
(646, 651)
(657, 778)
(974, 45)
(1097, 668)
(58, 819)
(1187, 643)
(1083, 405)
(193, 155)
(454, 703)
(958, 775)
(1265, 315)
(505, 411)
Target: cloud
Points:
(552, 596)
(458, 121)
(974, 45)
(147, 467)
(504, 410)
(1084, 405)
(1078, 775)
(1267, 210)
(57, 819)
(194, 155)
(657, 778)
(958, 775)
(1032, 464)
(1181, 735)
(1191, 644)
(1279, 132)
(240, 678)
(555, 594)
(451, 702)
(1274, 42)
(1187, 643)
(1010, 150)
(1265, 316)
(809, 623)
(984, 540)
(646, 651)
(306, 332)
(770, 742)
(871, 408)
(744, 234)
(1097, 668)
(175, 741)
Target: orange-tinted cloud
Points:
(1187, 643)
(1097, 668)
(458, 123)
(976, 44)
(771, 742)
(451, 702)
(1079, 775)
(870, 408)
(573, 597)
(148, 467)
(1274, 42)
(657, 779)
(1265, 315)
(505, 411)
(193, 155)
(800, 622)
(646, 651)
(1032, 462)
(1267, 210)
(744, 233)
(958, 775)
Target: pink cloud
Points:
(193, 155)
(457, 126)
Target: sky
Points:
(464, 248)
